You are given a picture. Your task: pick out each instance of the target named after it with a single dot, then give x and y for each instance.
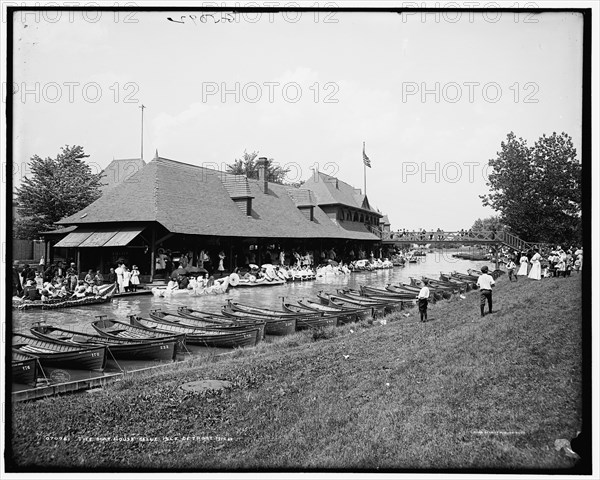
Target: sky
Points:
(432, 96)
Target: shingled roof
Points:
(194, 200)
(330, 190)
(119, 170)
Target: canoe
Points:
(61, 354)
(247, 337)
(25, 368)
(125, 331)
(344, 315)
(106, 293)
(226, 325)
(273, 326)
(119, 349)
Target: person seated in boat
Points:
(183, 281)
(30, 291)
(193, 284)
(80, 289)
(89, 288)
(89, 278)
(39, 281)
(172, 285)
(210, 282)
(98, 278)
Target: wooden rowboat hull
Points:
(247, 337)
(61, 354)
(24, 368)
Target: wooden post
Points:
(497, 256)
(152, 250)
(78, 261)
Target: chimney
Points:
(262, 174)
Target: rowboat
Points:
(125, 331)
(450, 288)
(61, 354)
(337, 300)
(273, 326)
(438, 294)
(105, 294)
(461, 287)
(304, 320)
(226, 325)
(198, 336)
(24, 367)
(387, 305)
(453, 280)
(345, 315)
(121, 349)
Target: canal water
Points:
(120, 308)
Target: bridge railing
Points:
(428, 237)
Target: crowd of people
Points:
(55, 281)
(536, 264)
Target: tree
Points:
(57, 188)
(248, 166)
(537, 190)
(489, 224)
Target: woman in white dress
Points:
(524, 261)
(536, 268)
(126, 278)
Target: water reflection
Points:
(121, 308)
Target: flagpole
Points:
(365, 169)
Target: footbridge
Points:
(439, 239)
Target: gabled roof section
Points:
(119, 170)
(131, 201)
(302, 197)
(194, 200)
(330, 190)
(236, 185)
(385, 220)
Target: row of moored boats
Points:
(166, 333)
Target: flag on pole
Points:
(366, 159)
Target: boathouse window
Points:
(308, 212)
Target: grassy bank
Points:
(457, 392)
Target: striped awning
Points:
(124, 236)
(85, 238)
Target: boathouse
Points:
(174, 210)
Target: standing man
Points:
(423, 299)
(485, 283)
